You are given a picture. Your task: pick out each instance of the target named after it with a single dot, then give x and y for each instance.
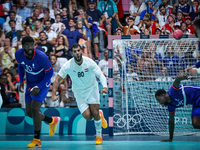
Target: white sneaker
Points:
(43, 105)
(61, 104)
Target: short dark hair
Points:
(161, 5)
(73, 20)
(42, 32)
(160, 92)
(197, 23)
(12, 12)
(47, 21)
(54, 56)
(12, 21)
(75, 46)
(27, 39)
(2, 75)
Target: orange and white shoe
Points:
(99, 140)
(53, 125)
(35, 143)
(104, 122)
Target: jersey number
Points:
(80, 74)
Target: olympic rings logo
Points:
(121, 121)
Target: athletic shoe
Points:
(104, 122)
(35, 143)
(99, 140)
(53, 125)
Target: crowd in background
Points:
(57, 25)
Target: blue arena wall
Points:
(15, 121)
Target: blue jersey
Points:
(186, 94)
(38, 69)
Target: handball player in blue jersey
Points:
(179, 96)
(38, 71)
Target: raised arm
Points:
(118, 22)
(179, 79)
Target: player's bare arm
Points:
(171, 128)
(21, 87)
(55, 87)
(179, 79)
(104, 90)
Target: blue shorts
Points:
(40, 97)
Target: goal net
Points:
(146, 65)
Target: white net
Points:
(146, 66)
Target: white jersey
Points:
(84, 76)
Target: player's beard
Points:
(78, 58)
(29, 53)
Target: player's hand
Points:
(54, 98)
(104, 90)
(34, 91)
(189, 68)
(21, 86)
(169, 140)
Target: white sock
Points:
(98, 127)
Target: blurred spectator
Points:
(171, 61)
(18, 18)
(38, 27)
(119, 31)
(149, 10)
(31, 20)
(184, 28)
(150, 24)
(12, 16)
(47, 17)
(14, 35)
(179, 17)
(177, 26)
(65, 18)
(11, 88)
(48, 47)
(73, 34)
(169, 27)
(19, 43)
(136, 7)
(36, 46)
(164, 75)
(109, 9)
(195, 9)
(82, 42)
(131, 75)
(2, 35)
(7, 56)
(130, 29)
(61, 50)
(188, 59)
(23, 11)
(6, 8)
(54, 10)
(41, 9)
(51, 35)
(6, 102)
(161, 15)
(188, 21)
(73, 8)
(103, 64)
(87, 22)
(159, 31)
(145, 66)
(56, 27)
(182, 6)
(98, 19)
(168, 7)
(30, 32)
(146, 32)
(63, 84)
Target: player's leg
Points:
(196, 117)
(196, 122)
(62, 95)
(87, 114)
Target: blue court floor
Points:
(83, 142)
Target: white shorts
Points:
(85, 98)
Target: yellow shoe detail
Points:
(35, 143)
(99, 140)
(53, 125)
(104, 122)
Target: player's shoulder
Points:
(88, 60)
(19, 53)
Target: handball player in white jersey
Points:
(83, 72)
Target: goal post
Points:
(148, 63)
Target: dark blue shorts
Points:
(40, 97)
